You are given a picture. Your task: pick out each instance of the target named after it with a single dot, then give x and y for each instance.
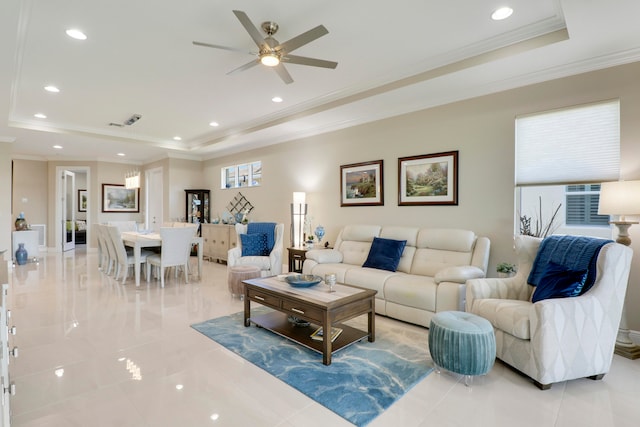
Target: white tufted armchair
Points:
(269, 265)
(557, 339)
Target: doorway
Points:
(68, 208)
(153, 199)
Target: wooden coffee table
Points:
(316, 305)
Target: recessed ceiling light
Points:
(40, 116)
(214, 124)
(51, 89)
(76, 34)
(177, 138)
(502, 13)
(121, 154)
(58, 147)
(276, 99)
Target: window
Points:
(244, 175)
(582, 206)
(559, 156)
(569, 146)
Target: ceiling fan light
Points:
(270, 60)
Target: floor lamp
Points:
(298, 214)
(622, 198)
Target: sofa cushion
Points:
(411, 291)
(266, 228)
(385, 254)
(558, 281)
(369, 278)
(510, 316)
(254, 244)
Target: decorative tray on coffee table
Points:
(303, 280)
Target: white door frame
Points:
(58, 220)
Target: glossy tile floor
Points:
(94, 352)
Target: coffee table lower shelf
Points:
(277, 323)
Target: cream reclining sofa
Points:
(430, 277)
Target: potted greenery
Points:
(506, 269)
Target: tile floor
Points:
(96, 353)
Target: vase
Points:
(21, 254)
(21, 224)
(319, 232)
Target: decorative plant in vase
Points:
(310, 241)
(540, 229)
(506, 269)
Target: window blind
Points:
(571, 145)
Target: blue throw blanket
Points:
(573, 252)
(267, 228)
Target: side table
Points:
(297, 255)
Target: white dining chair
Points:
(109, 255)
(102, 249)
(175, 251)
(123, 259)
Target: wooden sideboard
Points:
(217, 240)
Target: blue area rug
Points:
(362, 381)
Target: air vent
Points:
(131, 120)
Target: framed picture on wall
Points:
(429, 179)
(117, 198)
(361, 184)
(82, 200)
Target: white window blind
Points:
(569, 146)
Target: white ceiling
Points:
(393, 58)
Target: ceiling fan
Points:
(271, 52)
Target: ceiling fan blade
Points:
(302, 39)
(251, 29)
(216, 46)
(244, 67)
(283, 73)
(303, 60)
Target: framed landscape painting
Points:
(117, 198)
(430, 179)
(361, 184)
(82, 200)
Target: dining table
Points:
(138, 240)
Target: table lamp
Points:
(622, 198)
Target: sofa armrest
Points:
(324, 256)
(458, 274)
(512, 288)
(233, 256)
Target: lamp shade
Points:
(619, 198)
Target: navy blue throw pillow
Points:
(254, 244)
(385, 254)
(558, 281)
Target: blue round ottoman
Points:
(462, 343)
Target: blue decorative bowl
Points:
(303, 280)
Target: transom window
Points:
(244, 175)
